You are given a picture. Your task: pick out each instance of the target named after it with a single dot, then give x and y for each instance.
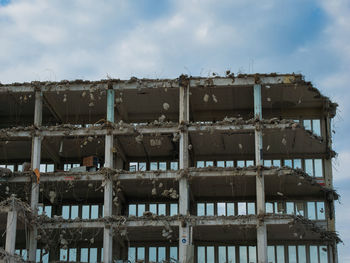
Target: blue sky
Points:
(88, 39)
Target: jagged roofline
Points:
(297, 77)
(182, 79)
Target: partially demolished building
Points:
(220, 169)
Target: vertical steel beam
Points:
(11, 230)
(108, 187)
(185, 230)
(260, 187)
(35, 162)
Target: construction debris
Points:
(206, 98)
(166, 106)
(154, 138)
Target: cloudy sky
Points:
(88, 39)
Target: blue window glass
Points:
(63, 254)
(301, 254)
(93, 255)
(86, 212)
(280, 254)
(131, 254)
(221, 207)
(161, 254)
(242, 209)
(140, 253)
(200, 209)
(84, 254)
(141, 208)
(210, 254)
(230, 209)
(161, 209)
(152, 254)
(94, 211)
(65, 211)
(173, 209)
(200, 254)
(243, 256)
(231, 254)
(72, 254)
(271, 254)
(132, 210)
(292, 254)
(173, 254)
(210, 209)
(222, 254)
(74, 210)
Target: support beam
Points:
(55, 131)
(120, 151)
(260, 187)
(185, 230)
(54, 113)
(108, 187)
(52, 153)
(11, 230)
(35, 162)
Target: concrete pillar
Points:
(185, 230)
(35, 162)
(108, 187)
(328, 176)
(11, 230)
(260, 187)
(333, 253)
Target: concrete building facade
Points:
(193, 169)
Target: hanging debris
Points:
(154, 191)
(155, 142)
(170, 193)
(139, 138)
(118, 100)
(166, 106)
(176, 137)
(162, 118)
(52, 195)
(284, 141)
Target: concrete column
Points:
(260, 187)
(11, 230)
(35, 162)
(108, 188)
(328, 176)
(333, 253)
(185, 230)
